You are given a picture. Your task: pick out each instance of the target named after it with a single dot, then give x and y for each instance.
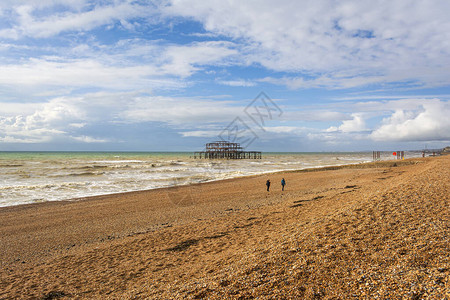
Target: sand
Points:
(368, 231)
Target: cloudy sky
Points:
(279, 75)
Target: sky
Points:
(284, 76)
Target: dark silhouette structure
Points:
(226, 150)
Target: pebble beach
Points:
(367, 231)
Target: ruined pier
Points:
(226, 150)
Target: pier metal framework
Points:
(376, 155)
(226, 150)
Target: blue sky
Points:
(173, 75)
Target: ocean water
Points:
(30, 177)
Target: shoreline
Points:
(356, 165)
(213, 239)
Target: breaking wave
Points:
(49, 177)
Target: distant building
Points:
(226, 150)
(446, 150)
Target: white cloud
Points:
(388, 96)
(77, 125)
(12, 109)
(317, 44)
(75, 73)
(158, 66)
(201, 133)
(74, 4)
(312, 114)
(238, 82)
(70, 20)
(57, 119)
(22, 129)
(331, 81)
(334, 44)
(430, 123)
(89, 139)
(42, 123)
(71, 118)
(404, 121)
(180, 111)
(284, 129)
(356, 124)
(184, 60)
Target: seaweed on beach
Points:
(54, 295)
(184, 245)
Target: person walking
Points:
(268, 184)
(283, 183)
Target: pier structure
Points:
(226, 150)
(376, 155)
(433, 152)
(400, 154)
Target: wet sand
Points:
(377, 230)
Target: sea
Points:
(31, 177)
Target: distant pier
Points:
(435, 152)
(379, 155)
(226, 150)
(376, 155)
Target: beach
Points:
(363, 231)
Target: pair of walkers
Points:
(283, 183)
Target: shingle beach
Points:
(367, 231)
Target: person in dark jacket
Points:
(283, 183)
(268, 184)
